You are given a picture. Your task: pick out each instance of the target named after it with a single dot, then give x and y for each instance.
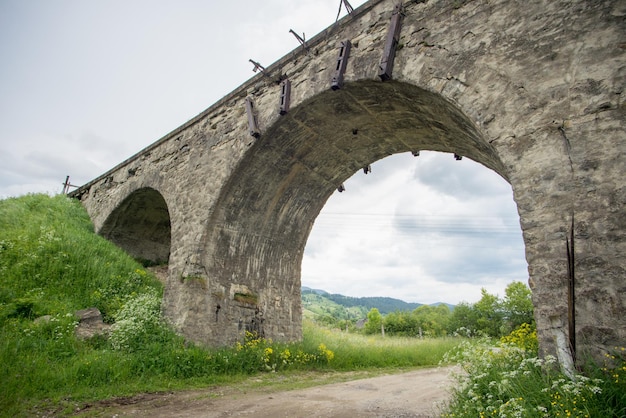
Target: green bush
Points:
(524, 337)
(138, 323)
(509, 380)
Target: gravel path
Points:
(418, 393)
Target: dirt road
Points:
(418, 393)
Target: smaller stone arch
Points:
(141, 226)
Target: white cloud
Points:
(394, 230)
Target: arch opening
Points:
(261, 223)
(141, 226)
(426, 229)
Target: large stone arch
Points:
(259, 227)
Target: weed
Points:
(509, 380)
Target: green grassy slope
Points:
(52, 264)
(317, 307)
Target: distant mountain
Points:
(316, 291)
(319, 307)
(384, 304)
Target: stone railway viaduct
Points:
(530, 89)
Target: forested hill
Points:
(383, 304)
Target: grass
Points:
(51, 263)
(356, 351)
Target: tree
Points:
(432, 320)
(463, 320)
(400, 323)
(374, 321)
(441, 318)
(518, 306)
(490, 315)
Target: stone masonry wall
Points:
(532, 90)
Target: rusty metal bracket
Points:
(285, 96)
(252, 125)
(348, 6)
(259, 67)
(391, 43)
(300, 39)
(67, 185)
(342, 62)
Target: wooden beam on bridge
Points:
(342, 62)
(285, 96)
(252, 124)
(391, 43)
(67, 185)
(348, 6)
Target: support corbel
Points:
(285, 96)
(393, 38)
(252, 123)
(342, 62)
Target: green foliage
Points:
(613, 375)
(383, 304)
(51, 262)
(425, 321)
(489, 314)
(463, 320)
(509, 380)
(492, 316)
(401, 323)
(264, 355)
(374, 322)
(517, 305)
(326, 312)
(139, 323)
(26, 307)
(524, 337)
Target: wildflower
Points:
(327, 354)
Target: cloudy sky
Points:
(86, 84)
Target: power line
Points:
(424, 223)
